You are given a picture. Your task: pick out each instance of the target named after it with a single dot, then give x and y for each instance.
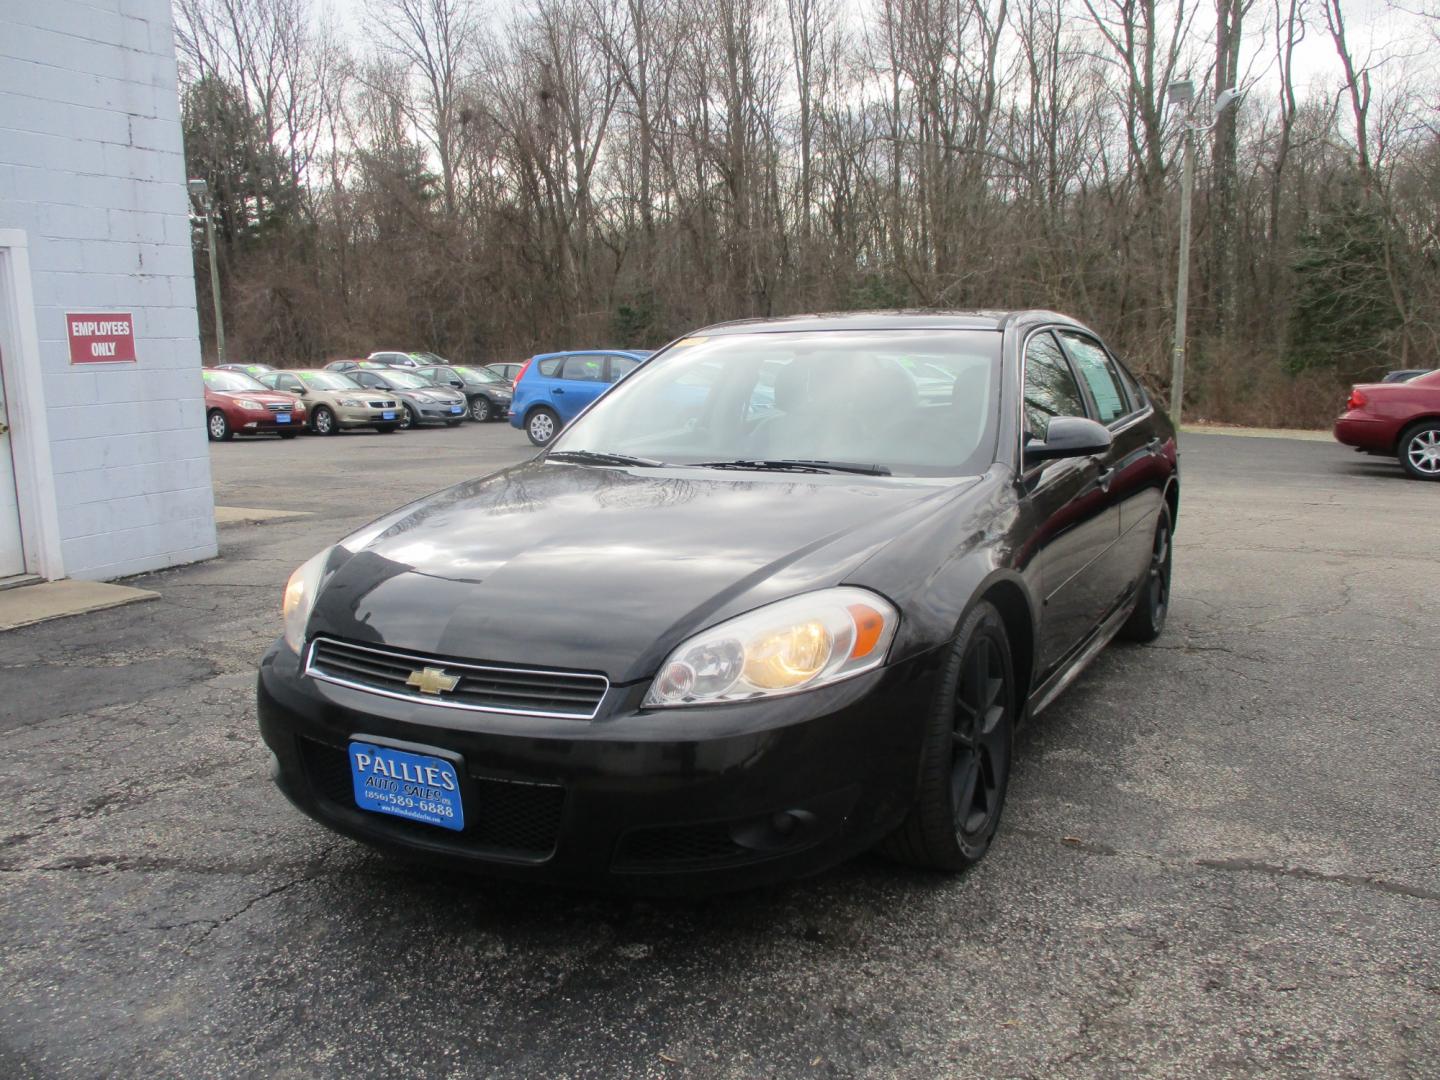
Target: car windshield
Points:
(913, 402)
(408, 380)
(479, 375)
(228, 381)
(328, 380)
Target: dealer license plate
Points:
(457, 408)
(387, 416)
(282, 417)
(413, 786)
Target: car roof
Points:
(634, 355)
(885, 320)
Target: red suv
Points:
(1400, 418)
(235, 404)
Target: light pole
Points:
(1182, 93)
(201, 191)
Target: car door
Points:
(1136, 477)
(581, 380)
(1075, 522)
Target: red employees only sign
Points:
(101, 339)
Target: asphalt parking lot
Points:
(1221, 853)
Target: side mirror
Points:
(1069, 437)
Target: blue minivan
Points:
(552, 388)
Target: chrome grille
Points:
(273, 407)
(488, 687)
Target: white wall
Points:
(91, 167)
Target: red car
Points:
(1400, 418)
(235, 404)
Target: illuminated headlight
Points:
(253, 406)
(795, 644)
(299, 599)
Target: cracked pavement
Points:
(1220, 856)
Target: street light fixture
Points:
(200, 190)
(1182, 94)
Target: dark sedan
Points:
(487, 394)
(678, 653)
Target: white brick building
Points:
(105, 469)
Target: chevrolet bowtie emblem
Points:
(432, 680)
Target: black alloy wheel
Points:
(408, 419)
(1419, 450)
(965, 770)
(323, 421)
(480, 408)
(1147, 621)
(217, 427)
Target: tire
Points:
(965, 764)
(1147, 621)
(288, 434)
(385, 429)
(322, 421)
(408, 419)
(480, 408)
(1419, 450)
(541, 425)
(217, 427)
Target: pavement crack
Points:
(1241, 865)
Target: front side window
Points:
(1050, 387)
(844, 396)
(1099, 374)
(621, 366)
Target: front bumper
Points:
(365, 416)
(438, 412)
(247, 422)
(658, 801)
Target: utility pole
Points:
(1183, 93)
(201, 190)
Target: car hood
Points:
(605, 569)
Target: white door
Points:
(12, 558)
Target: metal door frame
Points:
(25, 402)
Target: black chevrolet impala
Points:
(781, 595)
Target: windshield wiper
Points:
(810, 465)
(601, 457)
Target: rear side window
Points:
(583, 368)
(1099, 373)
(550, 368)
(1050, 387)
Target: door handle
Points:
(558, 390)
(1153, 446)
(1103, 478)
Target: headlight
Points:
(350, 403)
(795, 644)
(253, 406)
(300, 598)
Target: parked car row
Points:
(390, 390)
(286, 403)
